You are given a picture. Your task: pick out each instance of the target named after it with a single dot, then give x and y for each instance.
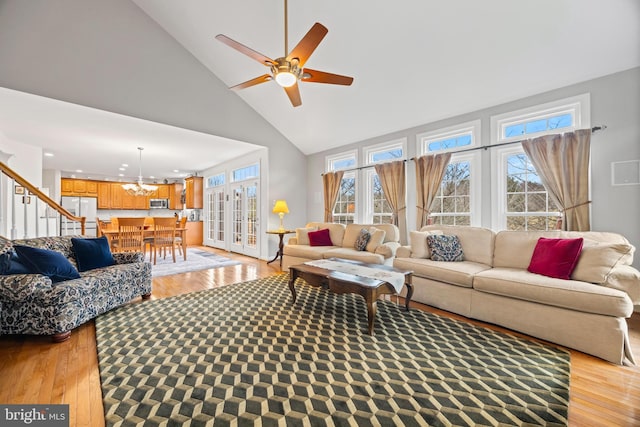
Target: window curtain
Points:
(331, 184)
(429, 173)
(393, 182)
(562, 162)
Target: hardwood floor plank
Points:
(34, 370)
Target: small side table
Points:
(281, 234)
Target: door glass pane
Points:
(220, 215)
(252, 216)
(237, 216)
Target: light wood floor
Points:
(33, 370)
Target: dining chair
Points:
(103, 226)
(164, 237)
(179, 243)
(130, 235)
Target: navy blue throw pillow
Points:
(10, 264)
(92, 253)
(49, 263)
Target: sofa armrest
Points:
(625, 278)
(19, 287)
(128, 257)
(403, 252)
(388, 249)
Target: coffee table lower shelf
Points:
(343, 283)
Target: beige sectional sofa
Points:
(492, 284)
(378, 251)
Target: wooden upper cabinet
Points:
(92, 188)
(104, 195)
(175, 196)
(163, 191)
(66, 186)
(194, 192)
(79, 186)
(116, 195)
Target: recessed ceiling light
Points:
(151, 177)
(79, 170)
(122, 169)
(124, 165)
(46, 154)
(176, 170)
(120, 174)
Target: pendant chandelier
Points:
(139, 188)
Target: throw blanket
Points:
(391, 277)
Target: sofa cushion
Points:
(418, 243)
(376, 239)
(445, 248)
(305, 251)
(302, 235)
(92, 253)
(555, 257)
(570, 294)
(362, 240)
(453, 273)
(336, 230)
(320, 238)
(597, 260)
(10, 264)
(353, 254)
(48, 263)
(477, 242)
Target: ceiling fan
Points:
(288, 70)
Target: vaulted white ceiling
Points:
(413, 61)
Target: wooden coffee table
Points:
(344, 283)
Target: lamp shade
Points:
(281, 207)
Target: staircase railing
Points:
(31, 196)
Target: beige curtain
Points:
(562, 162)
(393, 182)
(429, 173)
(331, 184)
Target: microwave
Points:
(158, 204)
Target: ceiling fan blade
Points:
(293, 92)
(264, 60)
(263, 78)
(316, 76)
(308, 44)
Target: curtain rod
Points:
(484, 147)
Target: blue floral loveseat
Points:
(36, 304)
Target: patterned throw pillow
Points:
(445, 248)
(362, 240)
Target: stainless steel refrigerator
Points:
(79, 206)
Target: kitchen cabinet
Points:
(194, 233)
(175, 196)
(66, 186)
(193, 192)
(104, 195)
(162, 191)
(91, 188)
(116, 196)
(78, 187)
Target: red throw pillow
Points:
(320, 238)
(555, 257)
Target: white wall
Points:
(615, 102)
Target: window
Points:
(216, 180)
(528, 204)
(246, 172)
(452, 205)
(378, 210)
(458, 199)
(521, 201)
(345, 209)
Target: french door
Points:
(215, 207)
(244, 218)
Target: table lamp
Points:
(281, 208)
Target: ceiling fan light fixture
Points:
(286, 79)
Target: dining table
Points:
(112, 233)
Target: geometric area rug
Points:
(243, 354)
(196, 260)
